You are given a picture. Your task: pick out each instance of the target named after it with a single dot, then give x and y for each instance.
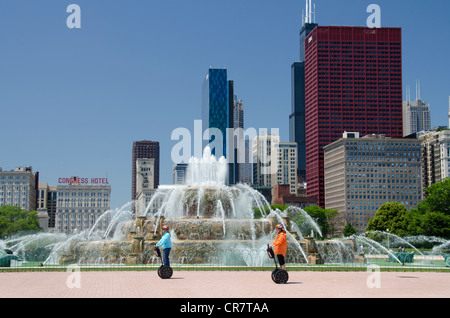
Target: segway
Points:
(164, 271)
(279, 276)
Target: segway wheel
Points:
(165, 272)
(281, 276)
(273, 274)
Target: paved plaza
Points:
(223, 284)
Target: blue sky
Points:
(72, 101)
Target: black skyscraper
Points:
(297, 117)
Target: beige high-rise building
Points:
(145, 182)
(265, 157)
(47, 201)
(361, 174)
(435, 156)
(19, 188)
(416, 117)
(287, 166)
(275, 162)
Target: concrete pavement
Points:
(223, 284)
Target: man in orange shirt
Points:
(280, 245)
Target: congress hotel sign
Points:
(79, 180)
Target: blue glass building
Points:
(215, 108)
(217, 112)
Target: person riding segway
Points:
(279, 249)
(164, 271)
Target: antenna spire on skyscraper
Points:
(307, 12)
(308, 16)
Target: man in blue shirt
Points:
(166, 245)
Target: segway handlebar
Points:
(270, 252)
(157, 251)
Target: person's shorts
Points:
(280, 259)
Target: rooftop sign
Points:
(78, 180)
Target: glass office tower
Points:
(215, 108)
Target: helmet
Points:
(279, 226)
(165, 227)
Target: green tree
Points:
(390, 215)
(437, 198)
(14, 220)
(432, 216)
(349, 230)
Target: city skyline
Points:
(73, 101)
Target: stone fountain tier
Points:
(205, 229)
(213, 252)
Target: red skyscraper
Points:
(353, 82)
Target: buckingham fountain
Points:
(210, 223)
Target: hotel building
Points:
(82, 206)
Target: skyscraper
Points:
(416, 115)
(217, 114)
(297, 117)
(144, 149)
(353, 79)
(145, 182)
(242, 163)
(265, 159)
(215, 108)
(287, 166)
